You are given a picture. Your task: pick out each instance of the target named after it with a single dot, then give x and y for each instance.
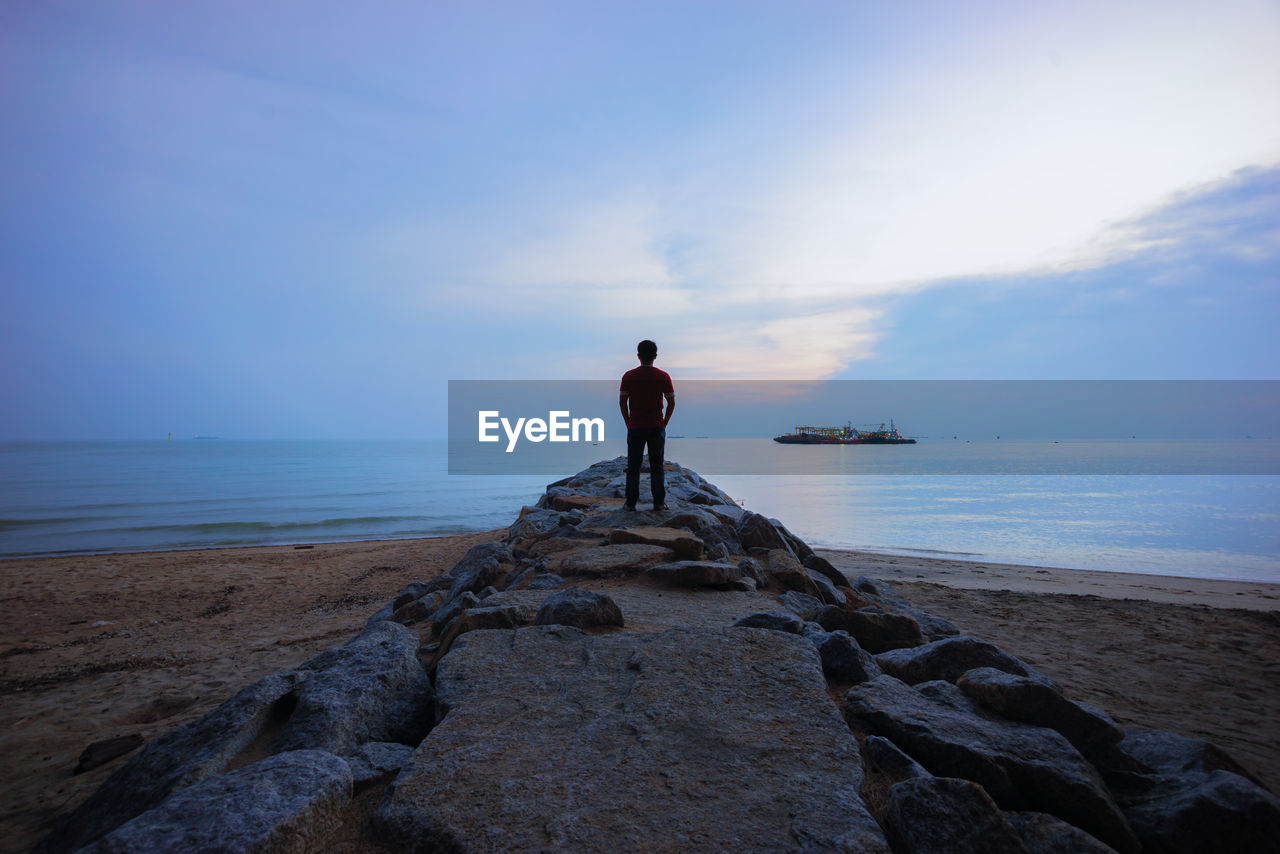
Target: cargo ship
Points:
(846, 435)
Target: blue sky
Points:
(281, 220)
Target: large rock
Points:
(622, 559)
(685, 545)
(1192, 796)
(950, 658)
(180, 758)
(286, 804)
(843, 660)
(691, 740)
(372, 688)
(757, 532)
(1046, 834)
(882, 594)
(697, 573)
(1021, 766)
(1033, 701)
(584, 609)
(480, 567)
(932, 815)
(876, 631)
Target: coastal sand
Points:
(94, 647)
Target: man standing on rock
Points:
(640, 398)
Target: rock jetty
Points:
(691, 680)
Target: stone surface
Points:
(1046, 834)
(949, 659)
(377, 760)
(882, 594)
(181, 757)
(802, 604)
(1021, 766)
(495, 617)
(755, 531)
(696, 573)
(1219, 812)
(627, 558)
(546, 581)
(778, 621)
(933, 815)
(481, 566)
(876, 631)
(372, 688)
(101, 752)
(551, 740)
(685, 545)
(889, 759)
(584, 609)
(1191, 796)
(286, 804)
(1033, 701)
(452, 610)
(824, 567)
(843, 660)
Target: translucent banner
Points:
(1054, 427)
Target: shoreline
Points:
(110, 645)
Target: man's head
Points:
(647, 351)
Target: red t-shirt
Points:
(644, 387)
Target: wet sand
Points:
(96, 647)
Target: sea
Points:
(60, 498)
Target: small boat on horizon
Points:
(846, 435)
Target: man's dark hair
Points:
(647, 350)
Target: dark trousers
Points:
(655, 439)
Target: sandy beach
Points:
(103, 646)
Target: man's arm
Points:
(671, 407)
(622, 404)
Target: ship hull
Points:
(815, 440)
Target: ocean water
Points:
(75, 497)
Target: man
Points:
(640, 399)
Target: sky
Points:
(301, 220)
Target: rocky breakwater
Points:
(695, 680)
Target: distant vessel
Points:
(846, 435)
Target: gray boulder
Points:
(1021, 766)
(584, 609)
(950, 658)
(824, 567)
(551, 740)
(1218, 812)
(1191, 796)
(1046, 834)
(288, 803)
(1033, 701)
(778, 621)
(932, 815)
(755, 531)
(418, 610)
(480, 567)
(545, 581)
(377, 760)
(180, 758)
(933, 628)
(876, 631)
(843, 660)
(696, 573)
(890, 759)
(452, 610)
(372, 688)
(801, 604)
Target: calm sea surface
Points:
(68, 497)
